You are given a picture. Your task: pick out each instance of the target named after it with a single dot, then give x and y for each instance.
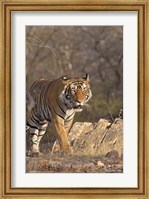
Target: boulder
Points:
(98, 138)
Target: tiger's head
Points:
(77, 92)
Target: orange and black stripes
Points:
(56, 101)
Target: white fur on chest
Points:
(69, 113)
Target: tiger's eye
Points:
(85, 90)
(87, 96)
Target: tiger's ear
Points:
(65, 78)
(87, 78)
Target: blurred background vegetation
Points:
(53, 51)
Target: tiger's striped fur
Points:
(56, 101)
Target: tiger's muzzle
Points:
(78, 106)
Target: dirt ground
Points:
(74, 164)
(97, 148)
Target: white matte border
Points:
(129, 176)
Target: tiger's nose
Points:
(79, 103)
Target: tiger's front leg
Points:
(67, 126)
(62, 134)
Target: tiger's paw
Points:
(34, 154)
(68, 151)
(62, 153)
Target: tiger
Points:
(56, 102)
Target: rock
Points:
(79, 128)
(100, 164)
(119, 166)
(97, 139)
(112, 154)
(103, 123)
(109, 166)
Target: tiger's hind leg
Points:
(35, 135)
(42, 130)
(34, 148)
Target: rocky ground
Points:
(97, 148)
